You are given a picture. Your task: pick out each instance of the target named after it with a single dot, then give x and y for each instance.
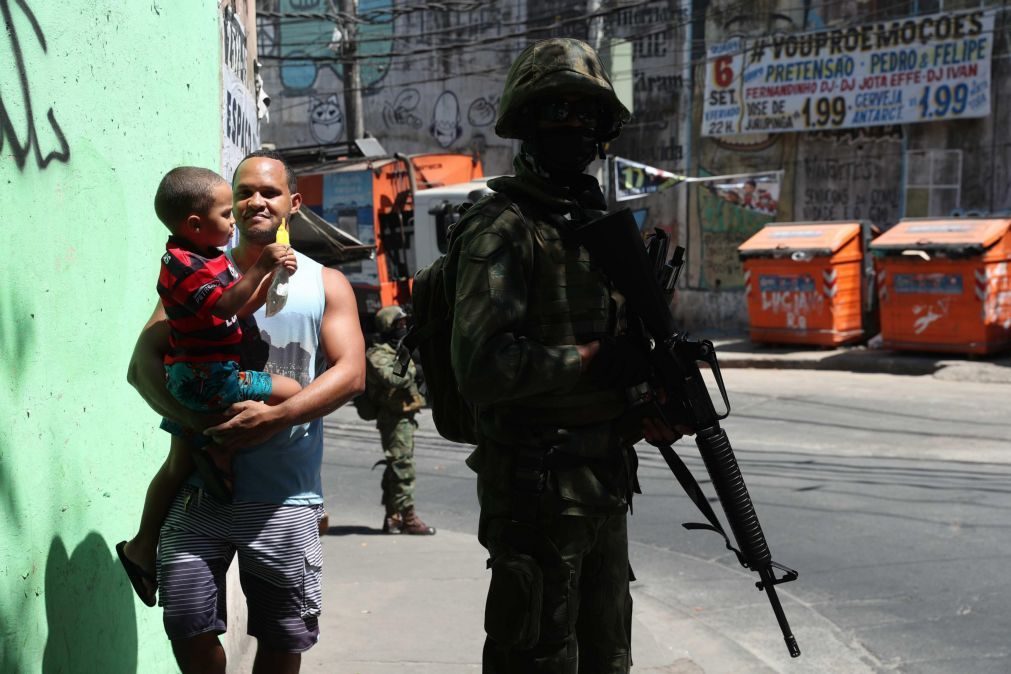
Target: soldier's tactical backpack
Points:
(433, 297)
(366, 407)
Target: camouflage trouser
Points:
(586, 617)
(398, 478)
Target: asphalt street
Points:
(889, 494)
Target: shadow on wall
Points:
(11, 656)
(17, 337)
(89, 611)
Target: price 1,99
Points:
(943, 99)
(825, 112)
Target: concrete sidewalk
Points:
(415, 605)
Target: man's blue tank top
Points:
(286, 468)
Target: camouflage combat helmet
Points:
(387, 317)
(552, 67)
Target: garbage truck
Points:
(397, 206)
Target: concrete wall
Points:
(435, 76)
(99, 99)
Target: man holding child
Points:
(272, 519)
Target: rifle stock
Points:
(616, 246)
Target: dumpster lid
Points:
(817, 238)
(943, 233)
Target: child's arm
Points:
(238, 296)
(258, 297)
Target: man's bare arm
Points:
(342, 342)
(146, 372)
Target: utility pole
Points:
(353, 119)
(596, 27)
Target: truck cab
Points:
(400, 205)
(435, 210)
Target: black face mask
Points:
(398, 334)
(564, 150)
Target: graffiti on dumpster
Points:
(796, 297)
(928, 314)
(22, 146)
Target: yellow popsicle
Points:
(282, 233)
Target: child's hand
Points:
(276, 255)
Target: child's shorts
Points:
(211, 387)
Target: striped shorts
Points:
(280, 563)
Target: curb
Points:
(877, 363)
(739, 352)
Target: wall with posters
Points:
(872, 111)
(102, 97)
(240, 129)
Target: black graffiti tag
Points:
(22, 146)
(482, 111)
(401, 111)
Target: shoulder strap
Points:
(695, 493)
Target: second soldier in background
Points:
(397, 400)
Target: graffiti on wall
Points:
(22, 135)
(658, 80)
(836, 182)
(311, 47)
(432, 27)
(415, 98)
(445, 128)
(326, 121)
(402, 110)
(482, 110)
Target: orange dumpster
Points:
(809, 283)
(943, 284)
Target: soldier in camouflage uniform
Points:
(398, 400)
(538, 348)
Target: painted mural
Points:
(429, 83)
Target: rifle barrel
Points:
(769, 585)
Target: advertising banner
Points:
(753, 192)
(902, 71)
(731, 209)
(633, 180)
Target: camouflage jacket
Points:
(397, 397)
(526, 295)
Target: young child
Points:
(203, 296)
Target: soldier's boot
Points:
(393, 524)
(413, 524)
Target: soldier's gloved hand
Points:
(620, 361)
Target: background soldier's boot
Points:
(413, 523)
(393, 524)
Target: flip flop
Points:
(138, 575)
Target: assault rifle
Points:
(647, 280)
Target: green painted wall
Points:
(133, 89)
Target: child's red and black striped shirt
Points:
(190, 284)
